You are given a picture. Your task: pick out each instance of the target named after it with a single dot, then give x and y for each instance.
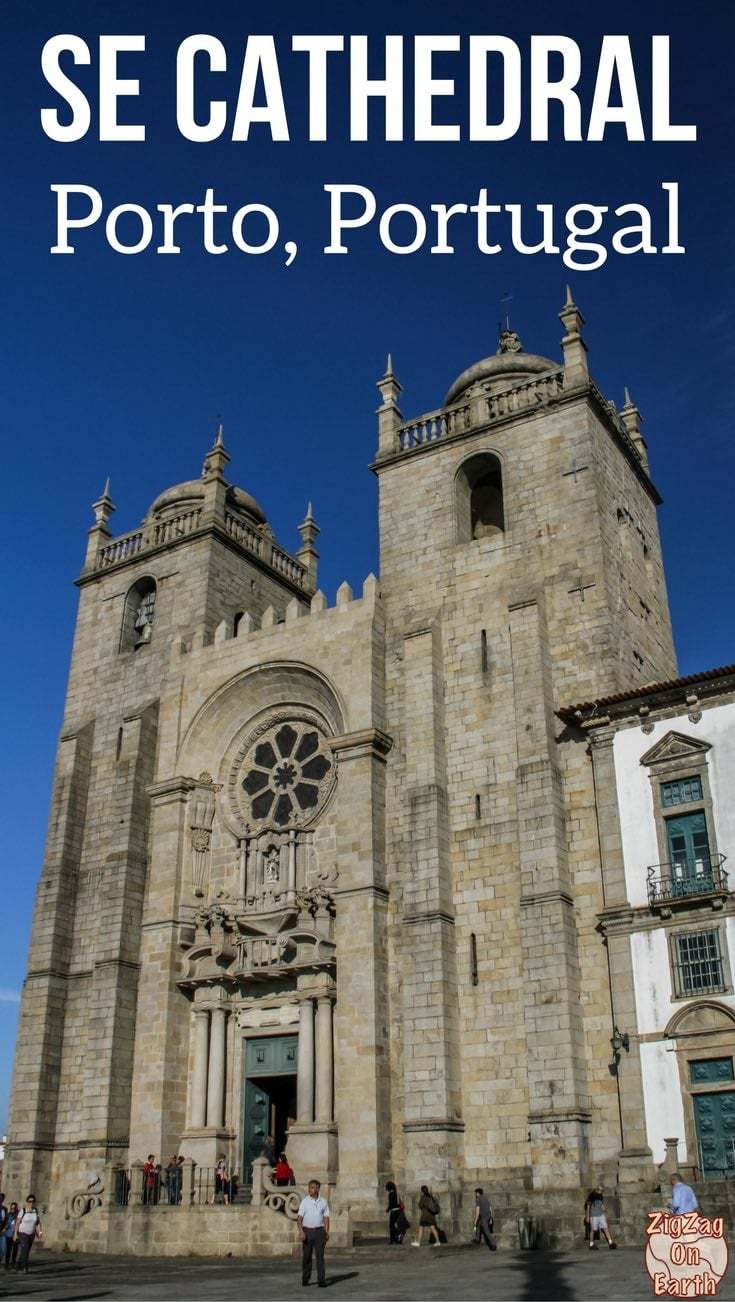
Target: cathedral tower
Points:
(520, 568)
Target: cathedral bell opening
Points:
(479, 498)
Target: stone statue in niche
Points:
(272, 865)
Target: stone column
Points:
(305, 1080)
(324, 1059)
(291, 881)
(432, 1121)
(199, 1075)
(216, 1077)
(39, 1046)
(160, 1069)
(187, 1181)
(558, 1098)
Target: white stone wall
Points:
(662, 1099)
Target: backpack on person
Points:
(432, 1205)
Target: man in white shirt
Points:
(313, 1221)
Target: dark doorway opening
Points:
(270, 1108)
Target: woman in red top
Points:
(282, 1172)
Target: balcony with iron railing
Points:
(682, 882)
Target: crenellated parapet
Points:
(318, 609)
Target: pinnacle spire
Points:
(219, 442)
(389, 365)
(104, 505)
(628, 400)
(569, 301)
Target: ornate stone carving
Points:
(232, 948)
(510, 342)
(83, 1201)
(202, 805)
(315, 900)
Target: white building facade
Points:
(664, 762)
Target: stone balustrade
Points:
(483, 408)
(121, 549)
(163, 532)
(534, 393)
(434, 425)
(155, 535)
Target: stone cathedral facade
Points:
(335, 872)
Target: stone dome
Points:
(510, 364)
(183, 497)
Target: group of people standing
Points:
(19, 1229)
(160, 1182)
(429, 1210)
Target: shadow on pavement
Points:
(79, 1297)
(544, 1277)
(339, 1279)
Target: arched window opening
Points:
(140, 609)
(478, 806)
(479, 495)
(483, 651)
(236, 622)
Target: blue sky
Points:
(122, 365)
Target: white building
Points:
(664, 765)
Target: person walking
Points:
(8, 1241)
(594, 1209)
(683, 1197)
(27, 1230)
(484, 1220)
(394, 1213)
(428, 1211)
(313, 1222)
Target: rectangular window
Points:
(698, 965)
(681, 792)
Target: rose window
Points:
(287, 774)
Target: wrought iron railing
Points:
(676, 882)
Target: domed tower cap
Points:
(510, 363)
